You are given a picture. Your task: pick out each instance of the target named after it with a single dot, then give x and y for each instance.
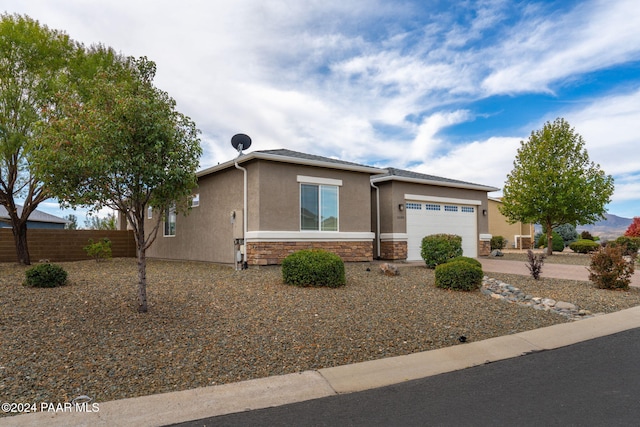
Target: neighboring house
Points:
(295, 201)
(519, 235)
(37, 219)
(414, 205)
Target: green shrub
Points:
(45, 276)
(586, 235)
(567, 232)
(609, 269)
(584, 246)
(498, 242)
(557, 244)
(630, 245)
(471, 261)
(313, 267)
(438, 248)
(458, 275)
(100, 250)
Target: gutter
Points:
(377, 220)
(244, 213)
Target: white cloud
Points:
(536, 53)
(628, 189)
(426, 143)
(481, 162)
(608, 128)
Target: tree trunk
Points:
(142, 281)
(142, 264)
(549, 239)
(20, 239)
(135, 216)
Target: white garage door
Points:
(425, 218)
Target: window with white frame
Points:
(195, 200)
(318, 207)
(170, 222)
(149, 212)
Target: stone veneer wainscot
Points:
(393, 250)
(267, 253)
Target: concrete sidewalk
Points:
(169, 408)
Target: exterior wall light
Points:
(484, 212)
(401, 207)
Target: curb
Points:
(194, 404)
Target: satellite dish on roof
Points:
(240, 142)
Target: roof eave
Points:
(286, 159)
(462, 185)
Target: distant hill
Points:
(610, 228)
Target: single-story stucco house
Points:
(37, 219)
(264, 205)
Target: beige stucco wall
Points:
(499, 226)
(276, 207)
(206, 233)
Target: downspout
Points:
(244, 213)
(377, 220)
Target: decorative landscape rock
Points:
(505, 292)
(389, 269)
(561, 305)
(496, 253)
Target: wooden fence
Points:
(65, 245)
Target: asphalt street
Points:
(592, 383)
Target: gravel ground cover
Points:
(209, 324)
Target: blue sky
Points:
(439, 87)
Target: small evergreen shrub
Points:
(567, 232)
(534, 264)
(498, 242)
(557, 244)
(586, 235)
(459, 275)
(584, 246)
(609, 269)
(472, 261)
(438, 248)
(99, 250)
(630, 245)
(313, 267)
(45, 276)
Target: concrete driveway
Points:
(557, 271)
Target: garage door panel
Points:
(424, 219)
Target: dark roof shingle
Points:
(36, 216)
(295, 154)
(401, 173)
